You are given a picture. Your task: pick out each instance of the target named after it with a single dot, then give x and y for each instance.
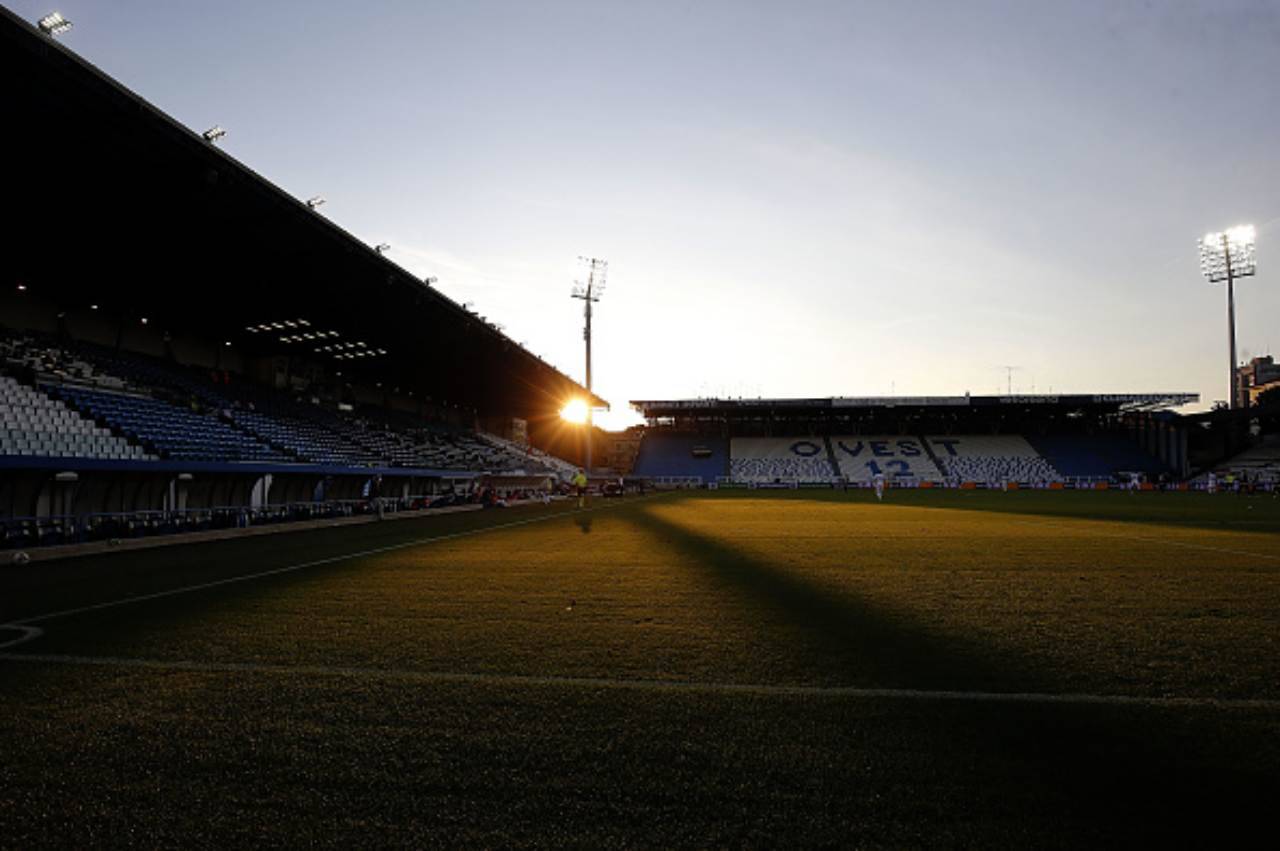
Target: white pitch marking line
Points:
(29, 633)
(522, 680)
(32, 634)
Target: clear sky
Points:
(795, 198)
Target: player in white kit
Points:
(877, 482)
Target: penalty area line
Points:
(31, 633)
(605, 683)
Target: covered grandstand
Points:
(178, 333)
(957, 440)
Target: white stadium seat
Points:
(992, 459)
(896, 457)
(32, 423)
(768, 459)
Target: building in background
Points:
(1256, 377)
(622, 448)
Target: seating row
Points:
(175, 432)
(34, 424)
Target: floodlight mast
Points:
(590, 292)
(1226, 256)
(1231, 322)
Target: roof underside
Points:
(118, 205)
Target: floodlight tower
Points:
(590, 293)
(1009, 369)
(1226, 256)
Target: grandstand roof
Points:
(1092, 402)
(121, 206)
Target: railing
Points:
(681, 482)
(835, 483)
(1076, 482)
(27, 532)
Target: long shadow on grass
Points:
(846, 640)
(1113, 774)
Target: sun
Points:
(574, 412)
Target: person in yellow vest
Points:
(580, 482)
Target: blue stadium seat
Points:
(663, 454)
(1095, 456)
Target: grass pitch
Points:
(796, 668)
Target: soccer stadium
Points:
(297, 549)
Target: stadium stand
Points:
(179, 413)
(32, 423)
(1257, 465)
(669, 455)
(1099, 456)
(31, 353)
(466, 451)
(530, 458)
(290, 364)
(991, 459)
(768, 459)
(168, 430)
(305, 440)
(896, 457)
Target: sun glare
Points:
(574, 412)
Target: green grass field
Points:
(733, 668)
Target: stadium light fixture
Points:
(315, 201)
(53, 24)
(1225, 256)
(213, 134)
(22, 288)
(93, 307)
